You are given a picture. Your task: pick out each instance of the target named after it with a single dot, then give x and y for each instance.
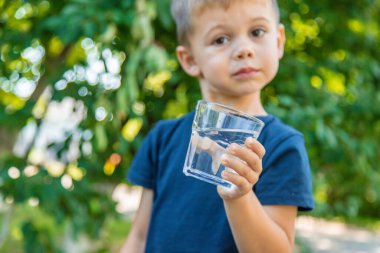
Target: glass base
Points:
(207, 177)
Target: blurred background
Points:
(83, 81)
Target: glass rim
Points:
(246, 115)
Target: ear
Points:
(187, 61)
(281, 38)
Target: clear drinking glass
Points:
(215, 127)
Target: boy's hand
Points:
(205, 144)
(246, 161)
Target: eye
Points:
(220, 40)
(258, 32)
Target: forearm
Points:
(134, 243)
(253, 229)
(137, 237)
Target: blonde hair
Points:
(183, 11)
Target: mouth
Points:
(246, 72)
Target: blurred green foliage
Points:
(116, 61)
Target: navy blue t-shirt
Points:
(188, 214)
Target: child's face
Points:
(234, 51)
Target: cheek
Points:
(213, 64)
(272, 69)
(270, 62)
(269, 55)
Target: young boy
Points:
(233, 48)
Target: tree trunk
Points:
(7, 140)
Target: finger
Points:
(237, 180)
(246, 155)
(255, 146)
(240, 167)
(216, 159)
(205, 143)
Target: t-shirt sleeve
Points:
(142, 169)
(286, 177)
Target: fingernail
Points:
(224, 158)
(251, 139)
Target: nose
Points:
(243, 50)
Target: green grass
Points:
(302, 246)
(112, 236)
